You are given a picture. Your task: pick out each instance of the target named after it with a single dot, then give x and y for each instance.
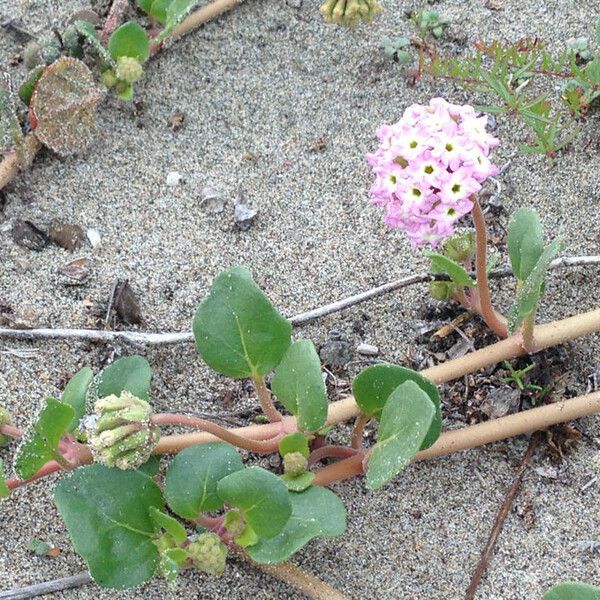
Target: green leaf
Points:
(317, 512)
(88, 31)
(298, 483)
(177, 11)
(40, 443)
(443, 264)
(525, 242)
(39, 547)
(145, 5)
(298, 384)
(262, 497)
(172, 526)
(151, 467)
(107, 513)
(294, 442)
(131, 373)
(193, 475)
(75, 393)
(4, 491)
(238, 332)
(572, 591)
(405, 421)
(130, 39)
(531, 291)
(159, 11)
(374, 385)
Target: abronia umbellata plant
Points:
(210, 502)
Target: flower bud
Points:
(129, 69)
(5, 419)
(294, 463)
(350, 12)
(441, 290)
(109, 79)
(123, 436)
(208, 553)
(460, 247)
(234, 523)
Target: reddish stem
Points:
(258, 446)
(344, 469)
(359, 429)
(266, 401)
(11, 431)
(495, 322)
(47, 469)
(331, 452)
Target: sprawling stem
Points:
(259, 446)
(480, 434)
(11, 431)
(359, 429)
(332, 452)
(495, 322)
(50, 467)
(266, 402)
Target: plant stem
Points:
(527, 332)
(495, 322)
(480, 434)
(203, 15)
(50, 467)
(305, 583)
(549, 334)
(332, 452)
(358, 431)
(11, 431)
(266, 401)
(259, 446)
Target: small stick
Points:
(502, 514)
(56, 585)
(155, 339)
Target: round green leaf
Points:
(131, 373)
(373, 386)
(298, 384)
(294, 442)
(172, 526)
(298, 483)
(151, 467)
(405, 421)
(238, 332)
(193, 475)
(130, 39)
(572, 591)
(262, 497)
(40, 443)
(316, 512)
(75, 393)
(107, 513)
(159, 10)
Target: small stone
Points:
(76, 271)
(212, 199)
(173, 178)
(244, 215)
(66, 235)
(367, 349)
(501, 402)
(28, 235)
(336, 352)
(93, 235)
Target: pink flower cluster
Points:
(428, 166)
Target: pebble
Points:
(367, 349)
(173, 178)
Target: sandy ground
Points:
(258, 88)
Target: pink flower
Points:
(428, 166)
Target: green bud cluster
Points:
(123, 436)
(350, 12)
(5, 419)
(460, 247)
(441, 290)
(294, 464)
(208, 553)
(129, 69)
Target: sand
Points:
(258, 88)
